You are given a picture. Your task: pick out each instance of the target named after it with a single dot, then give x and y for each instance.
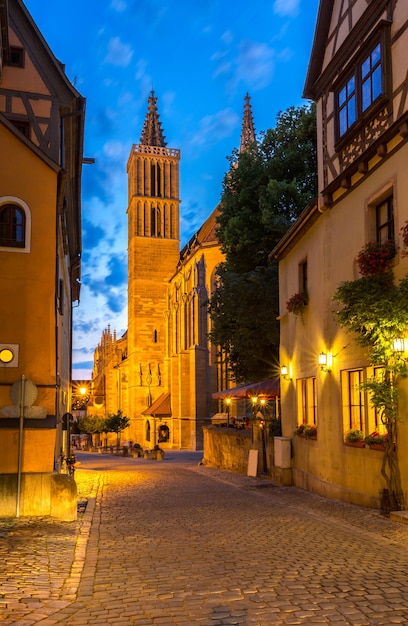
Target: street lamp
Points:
(228, 405)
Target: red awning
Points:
(268, 388)
(160, 407)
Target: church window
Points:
(12, 226)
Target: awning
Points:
(160, 407)
(269, 388)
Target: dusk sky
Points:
(201, 57)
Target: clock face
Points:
(6, 355)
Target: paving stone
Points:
(184, 544)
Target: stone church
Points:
(163, 371)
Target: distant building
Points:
(358, 77)
(41, 138)
(163, 371)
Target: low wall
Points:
(42, 494)
(228, 448)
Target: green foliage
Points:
(91, 425)
(377, 311)
(243, 311)
(264, 191)
(116, 422)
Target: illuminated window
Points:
(306, 400)
(358, 412)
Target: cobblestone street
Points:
(177, 543)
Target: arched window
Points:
(12, 226)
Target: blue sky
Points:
(201, 57)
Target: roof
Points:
(152, 133)
(269, 388)
(160, 407)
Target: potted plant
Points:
(376, 441)
(297, 303)
(355, 438)
(307, 431)
(310, 431)
(299, 431)
(376, 257)
(136, 451)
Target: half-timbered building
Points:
(358, 76)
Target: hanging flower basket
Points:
(297, 303)
(376, 257)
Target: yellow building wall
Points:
(27, 280)
(331, 246)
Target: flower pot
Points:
(377, 446)
(356, 444)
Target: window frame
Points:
(369, 418)
(23, 207)
(19, 52)
(306, 400)
(389, 223)
(381, 37)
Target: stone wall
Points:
(228, 448)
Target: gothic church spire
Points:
(152, 134)
(248, 129)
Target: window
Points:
(384, 220)
(303, 276)
(358, 412)
(306, 400)
(16, 56)
(363, 87)
(12, 226)
(23, 126)
(60, 300)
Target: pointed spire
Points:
(152, 134)
(248, 129)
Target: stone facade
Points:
(163, 372)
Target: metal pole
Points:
(20, 444)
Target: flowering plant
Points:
(375, 257)
(306, 430)
(376, 437)
(297, 302)
(404, 234)
(354, 435)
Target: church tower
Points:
(248, 129)
(153, 254)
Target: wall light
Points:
(285, 372)
(399, 345)
(325, 361)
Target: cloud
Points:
(118, 5)
(255, 64)
(215, 127)
(119, 54)
(286, 7)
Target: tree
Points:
(375, 309)
(116, 423)
(91, 425)
(264, 191)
